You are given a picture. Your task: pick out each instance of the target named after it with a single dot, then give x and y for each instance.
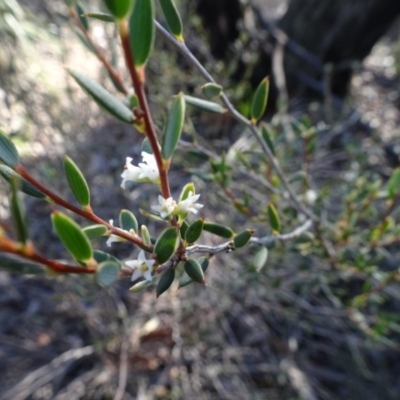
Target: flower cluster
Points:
(146, 171)
(168, 207)
(141, 267)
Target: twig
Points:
(227, 247)
(181, 47)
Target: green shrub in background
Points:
(348, 226)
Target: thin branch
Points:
(181, 47)
(112, 72)
(83, 213)
(138, 85)
(227, 247)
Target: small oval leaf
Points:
(186, 190)
(107, 273)
(205, 105)
(259, 102)
(7, 173)
(145, 235)
(77, 182)
(172, 18)
(127, 221)
(17, 212)
(119, 8)
(80, 12)
(194, 271)
(138, 287)
(267, 138)
(260, 259)
(212, 90)
(194, 231)
(141, 31)
(242, 238)
(184, 228)
(166, 244)
(8, 151)
(20, 266)
(393, 186)
(95, 231)
(174, 126)
(274, 218)
(165, 281)
(103, 97)
(72, 237)
(219, 230)
(185, 279)
(101, 256)
(99, 16)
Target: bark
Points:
(337, 33)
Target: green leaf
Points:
(219, 230)
(172, 18)
(194, 231)
(165, 281)
(101, 256)
(174, 126)
(80, 11)
(72, 237)
(166, 244)
(259, 102)
(107, 273)
(242, 238)
(77, 182)
(141, 31)
(8, 174)
(393, 187)
(119, 8)
(184, 228)
(205, 105)
(185, 279)
(20, 266)
(145, 235)
(194, 271)
(8, 151)
(99, 16)
(267, 138)
(128, 221)
(17, 212)
(103, 98)
(211, 90)
(186, 190)
(274, 218)
(138, 287)
(260, 259)
(95, 231)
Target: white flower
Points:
(142, 267)
(147, 171)
(188, 205)
(165, 207)
(114, 238)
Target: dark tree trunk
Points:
(338, 32)
(320, 32)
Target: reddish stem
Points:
(138, 84)
(85, 214)
(113, 73)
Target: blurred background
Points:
(289, 331)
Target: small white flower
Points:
(147, 171)
(165, 207)
(114, 238)
(142, 267)
(188, 205)
(310, 196)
